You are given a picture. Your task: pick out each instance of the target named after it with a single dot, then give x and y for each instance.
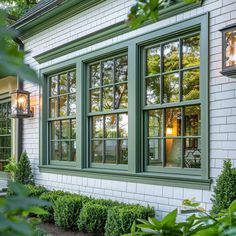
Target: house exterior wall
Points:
(222, 104)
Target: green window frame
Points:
(107, 90)
(137, 169)
(5, 133)
(62, 117)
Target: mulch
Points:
(56, 231)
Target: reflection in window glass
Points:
(171, 56)
(152, 90)
(153, 61)
(191, 51)
(171, 88)
(109, 138)
(190, 86)
(62, 103)
(172, 128)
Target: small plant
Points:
(24, 173)
(225, 189)
(11, 168)
(50, 197)
(121, 218)
(67, 210)
(222, 224)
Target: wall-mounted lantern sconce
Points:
(20, 104)
(229, 51)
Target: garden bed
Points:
(55, 231)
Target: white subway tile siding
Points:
(222, 104)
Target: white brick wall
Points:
(222, 102)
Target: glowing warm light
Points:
(22, 102)
(169, 130)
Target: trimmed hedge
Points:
(93, 216)
(51, 197)
(36, 191)
(67, 210)
(121, 218)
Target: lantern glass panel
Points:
(230, 50)
(23, 103)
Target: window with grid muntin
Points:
(172, 108)
(108, 110)
(62, 116)
(5, 133)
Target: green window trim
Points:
(197, 178)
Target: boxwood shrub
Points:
(67, 210)
(36, 191)
(51, 197)
(93, 216)
(121, 218)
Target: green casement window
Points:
(172, 107)
(108, 110)
(62, 116)
(5, 133)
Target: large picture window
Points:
(172, 105)
(62, 116)
(5, 134)
(108, 110)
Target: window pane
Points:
(73, 151)
(55, 130)
(171, 88)
(152, 90)
(154, 152)
(192, 153)
(95, 100)
(97, 147)
(171, 56)
(111, 126)
(9, 126)
(98, 127)
(153, 61)
(190, 84)
(72, 82)
(65, 151)
(63, 105)
(191, 51)
(55, 151)
(107, 72)
(192, 121)
(72, 105)
(63, 84)
(107, 98)
(123, 125)
(53, 107)
(155, 123)
(95, 79)
(53, 86)
(173, 152)
(73, 129)
(121, 96)
(173, 121)
(121, 67)
(110, 151)
(123, 152)
(65, 129)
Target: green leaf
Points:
(170, 219)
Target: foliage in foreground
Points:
(222, 224)
(225, 189)
(14, 212)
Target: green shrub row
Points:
(98, 216)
